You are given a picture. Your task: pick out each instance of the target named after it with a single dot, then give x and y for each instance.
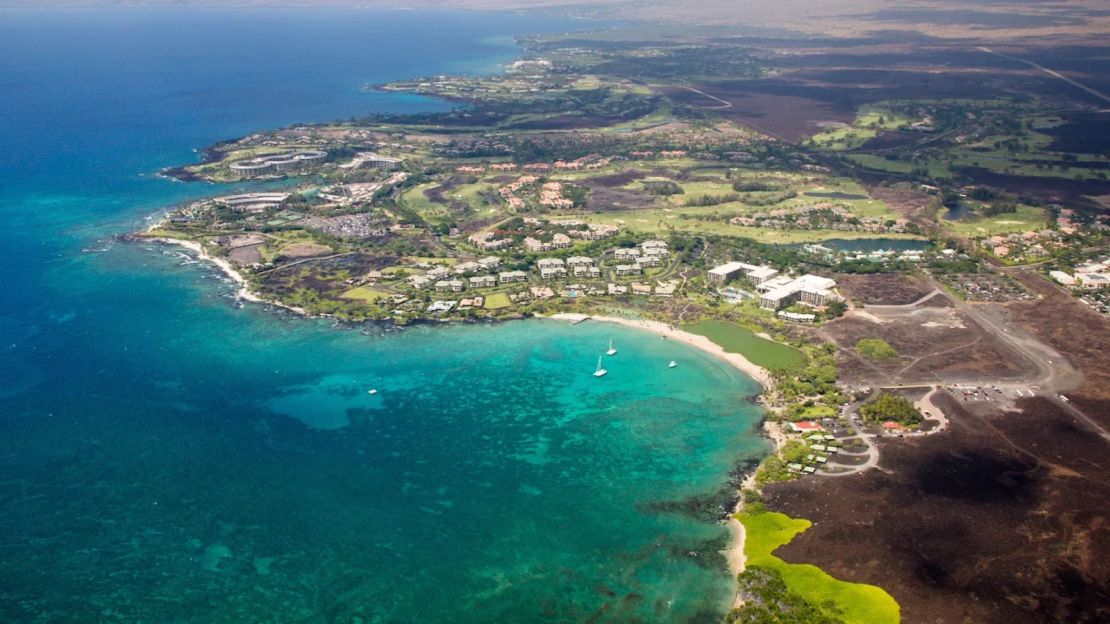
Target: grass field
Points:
(859, 603)
(496, 301)
(818, 411)
(735, 339)
(1026, 218)
(365, 294)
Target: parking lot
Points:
(986, 287)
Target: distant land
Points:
(974, 19)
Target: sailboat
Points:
(672, 364)
(600, 372)
(611, 350)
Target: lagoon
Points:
(757, 350)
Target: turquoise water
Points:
(168, 455)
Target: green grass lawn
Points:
(818, 411)
(1026, 218)
(735, 339)
(859, 603)
(365, 294)
(496, 301)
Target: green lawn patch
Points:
(858, 603)
(735, 339)
(365, 294)
(1024, 219)
(815, 412)
(496, 301)
(876, 349)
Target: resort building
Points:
(467, 267)
(655, 248)
(506, 277)
(726, 272)
(761, 274)
(252, 202)
(441, 306)
(536, 245)
(795, 317)
(809, 289)
(553, 273)
(489, 262)
(1062, 278)
(274, 163)
(628, 269)
(586, 271)
(483, 281)
(542, 292)
(756, 275)
(549, 263)
(560, 241)
(488, 242)
(449, 286)
(665, 289)
(372, 160)
(630, 253)
(596, 231)
(575, 262)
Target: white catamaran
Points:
(611, 350)
(600, 372)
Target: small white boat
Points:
(600, 372)
(373, 391)
(672, 364)
(611, 350)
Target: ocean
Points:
(169, 454)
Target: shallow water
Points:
(169, 455)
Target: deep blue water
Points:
(166, 455)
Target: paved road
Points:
(1051, 72)
(851, 415)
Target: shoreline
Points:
(243, 292)
(744, 365)
(734, 553)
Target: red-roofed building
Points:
(806, 426)
(890, 425)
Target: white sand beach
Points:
(734, 554)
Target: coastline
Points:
(244, 291)
(758, 373)
(734, 553)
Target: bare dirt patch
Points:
(910, 203)
(935, 345)
(1074, 330)
(883, 288)
(614, 199)
(1000, 519)
(305, 250)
